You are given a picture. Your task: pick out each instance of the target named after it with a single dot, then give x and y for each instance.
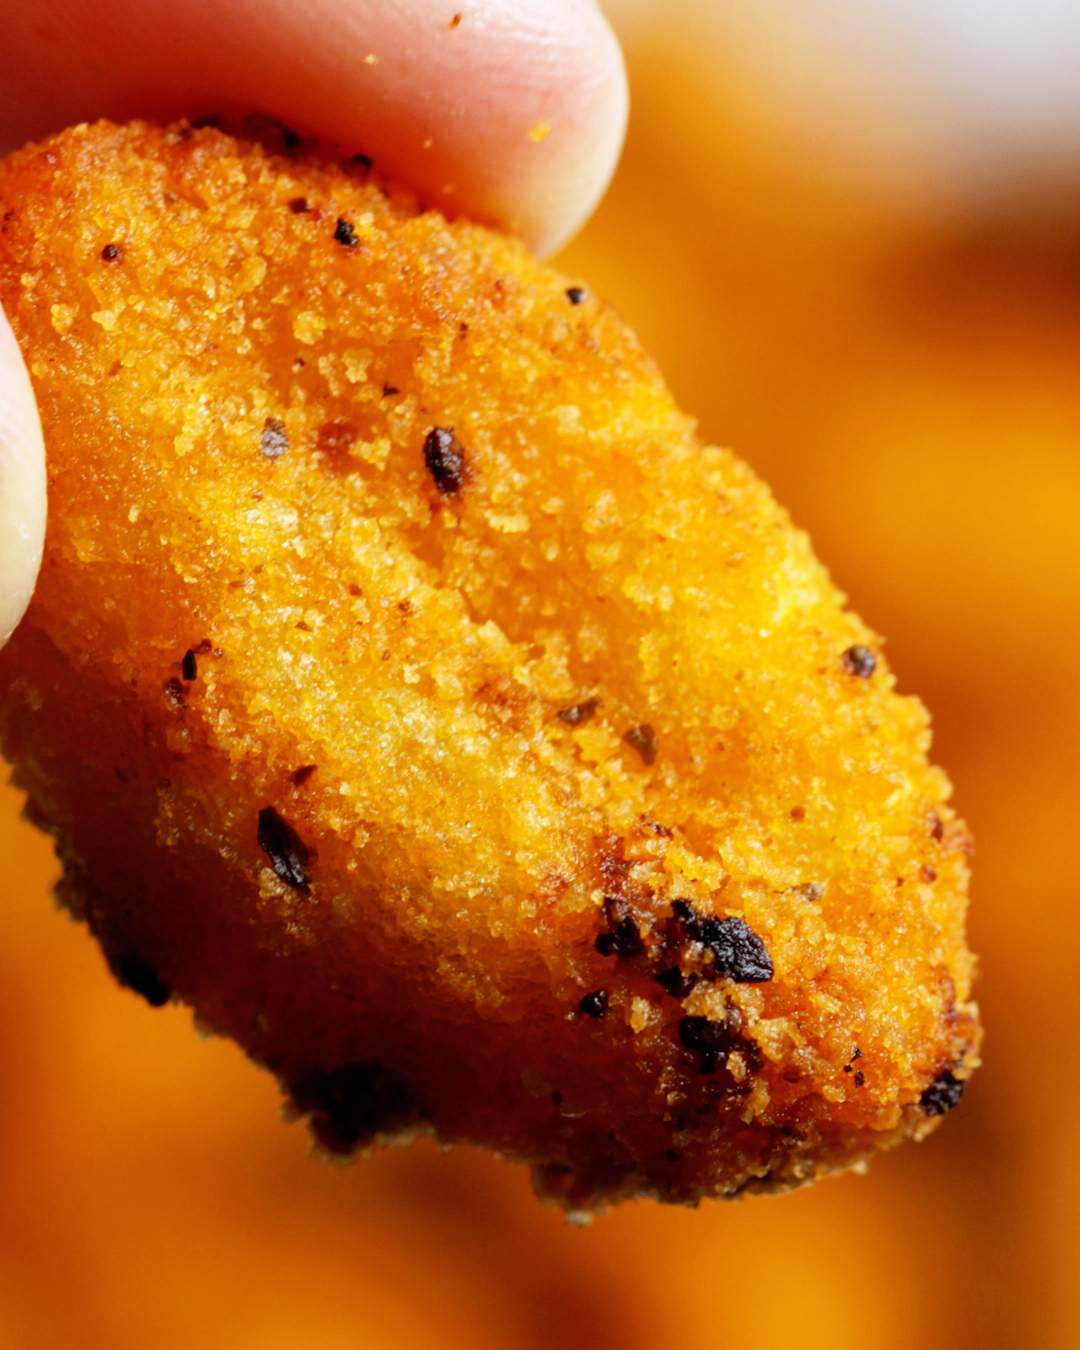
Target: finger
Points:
(22, 485)
(511, 111)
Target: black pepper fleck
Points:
(444, 456)
(575, 294)
(275, 440)
(112, 253)
(189, 666)
(389, 390)
(942, 1095)
(345, 233)
(859, 660)
(594, 1004)
(642, 738)
(288, 854)
(578, 713)
(860, 1078)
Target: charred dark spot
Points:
(575, 294)
(942, 1095)
(594, 1004)
(937, 826)
(738, 953)
(299, 776)
(578, 713)
(290, 139)
(289, 855)
(623, 937)
(444, 456)
(624, 940)
(860, 1078)
(174, 693)
(654, 825)
(335, 438)
(358, 165)
(812, 891)
(859, 660)
(642, 738)
(674, 982)
(389, 390)
(299, 206)
(140, 977)
(349, 1105)
(189, 665)
(672, 1155)
(112, 253)
(797, 813)
(927, 873)
(713, 1041)
(275, 440)
(345, 233)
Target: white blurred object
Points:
(950, 96)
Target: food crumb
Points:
(288, 854)
(594, 1004)
(859, 660)
(444, 456)
(578, 713)
(540, 132)
(642, 738)
(275, 440)
(345, 233)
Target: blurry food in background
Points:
(904, 374)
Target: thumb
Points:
(22, 485)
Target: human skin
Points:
(508, 111)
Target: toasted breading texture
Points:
(413, 694)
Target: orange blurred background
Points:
(850, 279)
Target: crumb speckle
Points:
(274, 440)
(860, 661)
(594, 1004)
(289, 856)
(345, 233)
(642, 738)
(444, 456)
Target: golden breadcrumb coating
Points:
(411, 693)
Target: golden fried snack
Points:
(411, 693)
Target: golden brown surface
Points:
(237, 398)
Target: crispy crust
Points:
(411, 693)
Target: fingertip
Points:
(565, 124)
(22, 485)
